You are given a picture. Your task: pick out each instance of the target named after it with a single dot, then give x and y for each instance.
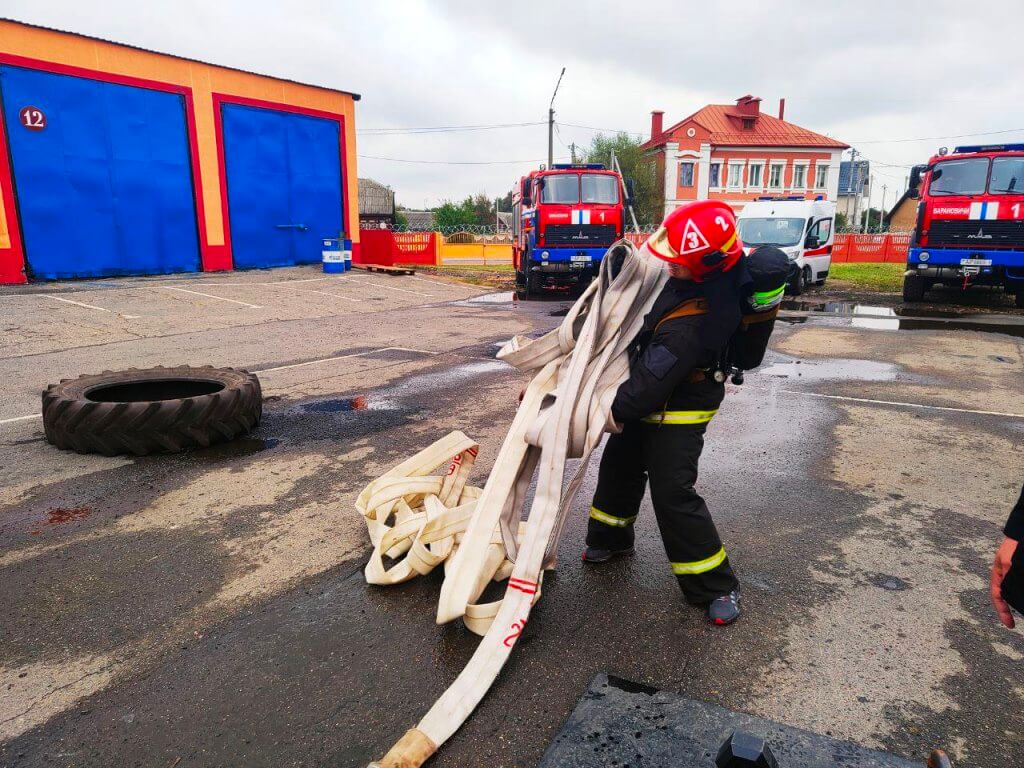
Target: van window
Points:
(561, 189)
(771, 231)
(821, 230)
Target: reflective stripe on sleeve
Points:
(680, 417)
(762, 298)
(699, 566)
(604, 517)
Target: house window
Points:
(775, 175)
(714, 175)
(799, 176)
(820, 176)
(686, 174)
(735, 175)
(754, 175)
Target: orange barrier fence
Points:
(885, 248)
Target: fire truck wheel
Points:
(914, 288)
(154, 410)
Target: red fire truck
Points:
(970, 221)
(564, 218)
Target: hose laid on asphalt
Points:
(565, 410)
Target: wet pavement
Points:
(209, 608)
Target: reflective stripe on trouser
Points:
(699, 566)
(604, 517)
(668, 459)
(680, 417)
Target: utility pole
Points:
(852, 179)
(497, 219)
(551, 122)
(572, 151)
(882, 214)
(867, 207)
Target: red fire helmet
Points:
(700, 236)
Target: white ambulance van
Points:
(804, 229)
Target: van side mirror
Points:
(812, 241)
(630, 192)
(914, 187)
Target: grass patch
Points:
(885, 278)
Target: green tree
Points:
(842, 223)
(455, 215)
(649, 195)
(401, 220)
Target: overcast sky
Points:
(872, 74)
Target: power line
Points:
(451, 162)
(608, 130)
(935, 138)
(443, 128)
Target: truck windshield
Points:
(1007, 176)
(600, 189)
(778, 232)
(959, 177)
(561, 189)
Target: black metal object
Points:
(618, 722)
(744, 750)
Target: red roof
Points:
(725, 124)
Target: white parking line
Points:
(211, 296)
(21, 418)
(904, 405)
(87, 306)
(324, 293)
(389, 287)
(343, 357)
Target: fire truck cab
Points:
(563, 220)
(970, 221)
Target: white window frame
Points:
(728, 179)
(711, 177)
(821, 168)
(792, 179)
(759, 187)
(781, 165)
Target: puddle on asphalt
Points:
(821, 370)
(505, 297)
(235, 449)
(337, 405)
(873, 317)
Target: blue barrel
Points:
(333, 257)
(346, 253)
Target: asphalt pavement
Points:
(209, 608)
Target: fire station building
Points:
(120, 161)
(736, 153)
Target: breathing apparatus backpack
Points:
(769, 269)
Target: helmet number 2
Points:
(720, 221)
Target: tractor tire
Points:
(153, 410)
(914, 288)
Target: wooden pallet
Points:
(384, 269)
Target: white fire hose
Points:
(477, 533)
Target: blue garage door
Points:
(284, 185)
(105, 188)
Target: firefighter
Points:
(666, 403)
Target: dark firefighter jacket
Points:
(664, 358)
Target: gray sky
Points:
(868, 73)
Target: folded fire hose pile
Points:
(421, 520)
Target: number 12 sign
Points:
(32, 118)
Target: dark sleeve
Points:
(674, 351)
(1015, 525)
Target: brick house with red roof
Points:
(736, 153)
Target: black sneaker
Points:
(596, 555)
(725, 609)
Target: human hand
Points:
(1000, 567)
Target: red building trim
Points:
(12, 259)
(219, 99)
(210, 258)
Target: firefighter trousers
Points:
(666, 455)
